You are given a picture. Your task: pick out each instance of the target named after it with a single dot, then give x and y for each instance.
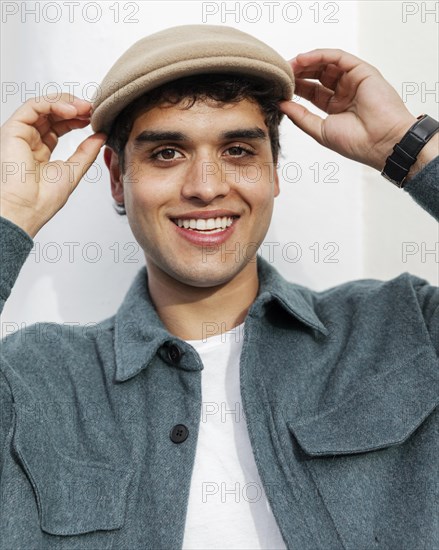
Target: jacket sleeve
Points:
(15, 247)
(6, 415)
(424, 188)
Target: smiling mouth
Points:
(205, 225)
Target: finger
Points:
(64, 126)
(63, 106)
(323, 56)
(27, 133)
(50, 138)
(85, 155)
(304, 119)
(316, 71)
(351, 70)
(33, 137)
(47, 123)
(329, 75)
(319, 95)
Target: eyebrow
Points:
(153, 136)
(245, 133)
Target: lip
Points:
(198, 238)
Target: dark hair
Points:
(222, 88)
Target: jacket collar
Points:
(295, 299)
(139, 332)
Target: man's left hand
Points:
(366, 116)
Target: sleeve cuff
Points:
(15, 247)
(424, 188)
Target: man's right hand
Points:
(34, 188)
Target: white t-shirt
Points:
(228, 507)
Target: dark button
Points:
(179, 433)
(174, 354)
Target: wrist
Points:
(29, 227)
(395, 137)
(407, 151)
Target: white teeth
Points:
(202, 224)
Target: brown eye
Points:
(236, 151)
(167, 154)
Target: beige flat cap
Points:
(183, 51)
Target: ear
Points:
(112, 161)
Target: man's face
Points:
(198, 189)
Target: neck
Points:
(194, 313)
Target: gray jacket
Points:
(340, 391)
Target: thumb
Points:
(300, 116)
(85, 155)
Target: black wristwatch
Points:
(406, 151)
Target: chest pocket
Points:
(373, 459)
(383, 413)
(73, 496)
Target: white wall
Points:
(393, 224)
(365, 217)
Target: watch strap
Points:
(406, 151)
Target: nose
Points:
(205, 180)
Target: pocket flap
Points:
(384, 412)
(79, 498)
(73, 496)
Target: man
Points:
(338, 446)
